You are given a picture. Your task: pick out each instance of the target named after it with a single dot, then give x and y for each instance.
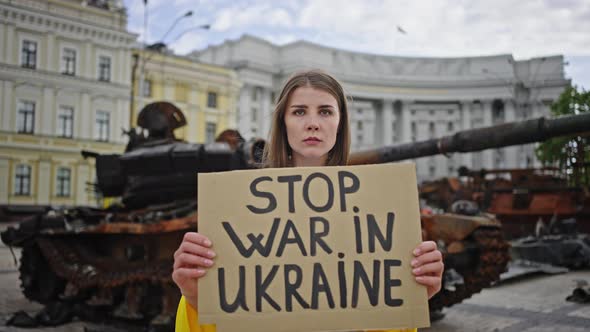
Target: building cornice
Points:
(39, 77)
(71, 27)
(46, 143)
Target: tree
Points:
(570, 153)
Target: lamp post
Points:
(141, 60)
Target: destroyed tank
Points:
(117, 261)
(475, 251)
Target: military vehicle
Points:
(117, 262)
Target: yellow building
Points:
(206, 94)
(64, 87)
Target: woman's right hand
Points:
(191, 261)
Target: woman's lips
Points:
(312, 141)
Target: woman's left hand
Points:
(428, 267)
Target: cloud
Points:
(243, 17)
(188, 42)
(451, 28)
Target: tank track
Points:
(85, 272)
(493, 257)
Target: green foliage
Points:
(570, 153)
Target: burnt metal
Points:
(507, 134)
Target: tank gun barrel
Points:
(507, 134)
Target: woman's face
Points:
(311, 118)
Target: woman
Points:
(310, 128)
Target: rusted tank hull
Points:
(475, 254)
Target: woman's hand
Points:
(428, 267)
(191, 261)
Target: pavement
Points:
(528, 304)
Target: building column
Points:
(44, 187)
(3, 42)
(8, 44)
(120, 67)
(511, 153)
(487, 155)
(266, 113)
(50, 49)
(232, 114)
(82, 176)
(4, 174)
(122, 107)
(168, 92)
(6, 110)
(85, 118)
(244, 115)
(47, 110)
(89, 67)
(406, 121)
(387, 125)
(466, 110)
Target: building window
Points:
(69, 61)
(450, 112)
(413, 131)
(359, 139)
(256, 93)
(65, 120)
(104, 68)
(212, 99)
(254, 114)
(431, 112)
(210, 130)
(450, 126)
(29, 54)
(25, 122)
(147, 88)
(102, 128)
(63, 182)
(359, 126)
(22, 180)
(432, 170)
(431, 130)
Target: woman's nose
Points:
(313, 123)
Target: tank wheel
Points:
(38, 281)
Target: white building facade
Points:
(402, 99)
(65, 72)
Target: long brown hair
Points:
(277, 150)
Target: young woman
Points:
(310, 128)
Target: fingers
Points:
(191, 260)
(187, 273)
(194, 249)
(424, 247)
(435, 269)
(196, 244)
(197, 238)
(430, 257)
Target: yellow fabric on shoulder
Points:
(187, 320)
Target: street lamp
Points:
(187, 14)
(156, 47)
(200, 27)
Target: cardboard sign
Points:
(311, 249)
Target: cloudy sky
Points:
(433, 28)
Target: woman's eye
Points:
(299, 112)
(326, 112)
